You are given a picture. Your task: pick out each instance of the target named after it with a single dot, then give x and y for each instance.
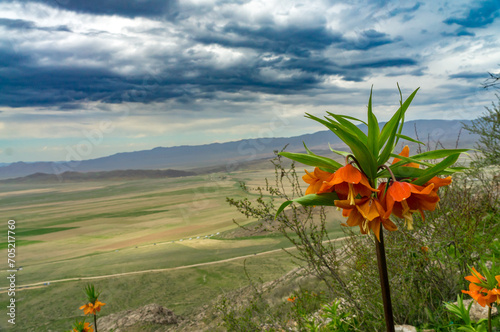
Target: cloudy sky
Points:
(91, 78)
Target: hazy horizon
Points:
(73, 152)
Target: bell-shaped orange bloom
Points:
(403, 199)
(86, 328)
(405, 153)
(439, 182)
(494, 295)
(367, 213)
(92, 308)
(98, 305)
(316, 181)
(350, 181)
(87, 308)
(483, 296)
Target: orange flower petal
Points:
(438, 182)
(345, 204)
(368, 209)
(389, 225)
(405, 153)
(348, 174)
(399, 190)
(375, 227)
(355, 219)
(316, 181)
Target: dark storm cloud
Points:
(481, 15)
(28, 86)
(278, 59)
(16, 24)
(404, 10)
(383, 63)
(22, 83)
(469, 75)
(287, 60)
(367, 40)
(10, 60)
(29, 25)
(460, 32)
(416, 72)
(299, 41)
(130, 8)
(25, 84)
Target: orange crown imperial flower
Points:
(92, 308)
(437, 181)
(367, 213)
(494, 294)
(482, 295)
(316, 180)
(350, 181)
(403, 199)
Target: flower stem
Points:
(489, 319)
(384, 282)
(95, 322)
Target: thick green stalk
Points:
(384, 275)
(384, 282)
(95, 322)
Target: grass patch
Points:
(124, 214)
(55, 307)
(19, 243)
(136, 259)
(40, 231)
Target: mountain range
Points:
(435, 133)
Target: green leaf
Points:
(326, 199)
(373, 129)
(358, 148)
(437, 154)
(342, 153)
(313, 160)
(352, 118)
(452, 170)
(402, 172)
(389, 131)
(409, 139)
(307, 149)
(350, 126)
(467, 329)
(437, 169)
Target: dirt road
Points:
(50, 282)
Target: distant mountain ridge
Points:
(129, 174)
(231, 154)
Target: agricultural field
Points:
(145, 241)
